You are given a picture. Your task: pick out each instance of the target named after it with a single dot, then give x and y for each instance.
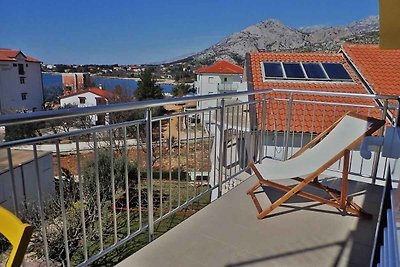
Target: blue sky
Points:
(127, 32)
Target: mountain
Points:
(273, 35)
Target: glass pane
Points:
(273, 70)
(314, 71)
(336, 71)
(293, 70)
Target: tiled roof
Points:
(94, 90)
(381, 68)
(222, 67)
(10, 55)
(306, 117)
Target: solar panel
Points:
(293, 71)
(336, 71)
(314, 71)
(273, 70)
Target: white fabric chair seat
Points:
(345, 133)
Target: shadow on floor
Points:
(359, 241)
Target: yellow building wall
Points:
(389, 20)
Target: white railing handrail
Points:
(39, 116)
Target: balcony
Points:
(302, 233)
(231, 87)
(113, 193)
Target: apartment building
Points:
(21, 87)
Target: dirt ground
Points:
(200, 161)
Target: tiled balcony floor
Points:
(301, 233)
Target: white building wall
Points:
(26, 182)
(90, 100)
(211, 83)
(11, 89)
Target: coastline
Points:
(159, 81)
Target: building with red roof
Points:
(21, 82)
(12, 55)
(93, 96)
(378, 68)
(221, 77)
(221, 67)
(329, 72)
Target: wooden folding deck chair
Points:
(314, 158)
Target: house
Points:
(74, 82)
(25, 177)
(220, 77)
(135, 68)
(21, 87)
(303, 71)
(86, 98)
(378, 68)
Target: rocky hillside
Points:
(272, 35)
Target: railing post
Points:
(375, 163)
(150, 210)
(288, 120)
(263, 129)
(397, 121)
(221, 147)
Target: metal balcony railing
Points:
(386, 247)
(118, 182)
(230, 87)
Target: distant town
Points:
(171, 73)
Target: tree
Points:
(182, 89)
(66, 124)
(104, 163)
(147, 87)
(21, 131)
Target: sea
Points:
(52, 85)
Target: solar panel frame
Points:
(279, 70)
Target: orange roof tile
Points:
(94, 90)
(10, 55)
(305, 117)
(223, 67)
(379, 67)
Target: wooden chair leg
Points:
(285, 197)
(254, 198)
(254, 188)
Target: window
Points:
(26, 65)
(293, 71)
(21, 69)
(210, 80)
(314, 71)
(225, 79)
(14, 65)
(273, 70)
(82, 100)
(336, 71)
(22, 80)
(23, 96)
